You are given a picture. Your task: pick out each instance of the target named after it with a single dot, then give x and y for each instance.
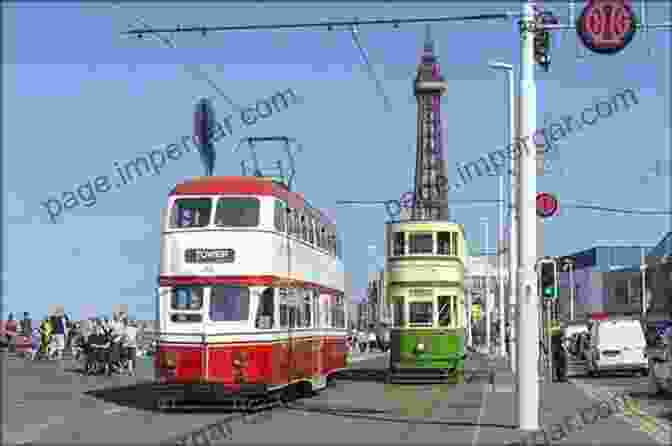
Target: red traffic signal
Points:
(547, 205)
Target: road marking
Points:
(484, 402)
(634, 416)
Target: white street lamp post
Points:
(528, 316)
(512, 251)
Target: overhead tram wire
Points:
(194, 69)
(329, 25)
(372, 74)
(570, 206)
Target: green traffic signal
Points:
(550, 292)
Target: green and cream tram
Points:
(424, 279)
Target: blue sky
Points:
(77, 97)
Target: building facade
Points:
(604, 281)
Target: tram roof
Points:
(246, 185)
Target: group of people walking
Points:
(56, 334)
(369, 341)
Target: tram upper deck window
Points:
(229, 303)
(191, 213)
(280, 215)
(445, 311)
(445, 246)
(187, 298)
(237, 212)
(399, 246)
(421, 243)
(311, 230)
(421, 313)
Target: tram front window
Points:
(237, 212)
(191, 213)
(229, 303)
(420, 313)
(421, 243)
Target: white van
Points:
(617, 345)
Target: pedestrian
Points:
(372, 340)
(27, 324)
(131, 341)
(10, 330)
(58, 322)
(46, 330)
(361, 339)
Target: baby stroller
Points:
(101, 354)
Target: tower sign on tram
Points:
(607, 26)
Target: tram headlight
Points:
(420, 348)
(168, 360)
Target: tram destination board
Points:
(204, 255)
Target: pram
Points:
(101, 355)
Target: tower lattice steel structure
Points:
(431, 198)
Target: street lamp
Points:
(513, 199)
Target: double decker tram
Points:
(425, 264)
(251, 291)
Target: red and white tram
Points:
(251, 288)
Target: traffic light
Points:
(547, 281)
(542, 48)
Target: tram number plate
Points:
(202, 255)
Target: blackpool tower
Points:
(431, 198)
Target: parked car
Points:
(659, 354)
(617, 345)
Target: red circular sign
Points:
(547, 205)
(606, 26)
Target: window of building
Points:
(237, 212)
(454, 244)
(421, 243)
(399, 319)
(191, 213)
(304, 227)
(187, 298)
(421, 313)
(280, 215)
(444, 243)
(229, 303)
(399, 244)
(311, 230)
(266, 310)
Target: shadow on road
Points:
(381, 375)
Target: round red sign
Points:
(606, 26)
(547, 205)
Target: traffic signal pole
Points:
(527, 382)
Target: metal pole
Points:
(468, 315)
(513, 234)
(486, 291)
(528, 318)
(500, 268)
(644, 303)
(572, 296)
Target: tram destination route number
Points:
(204, 255)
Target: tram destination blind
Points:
(202, 255)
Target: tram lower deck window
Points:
(420, 313)
(229, 303)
